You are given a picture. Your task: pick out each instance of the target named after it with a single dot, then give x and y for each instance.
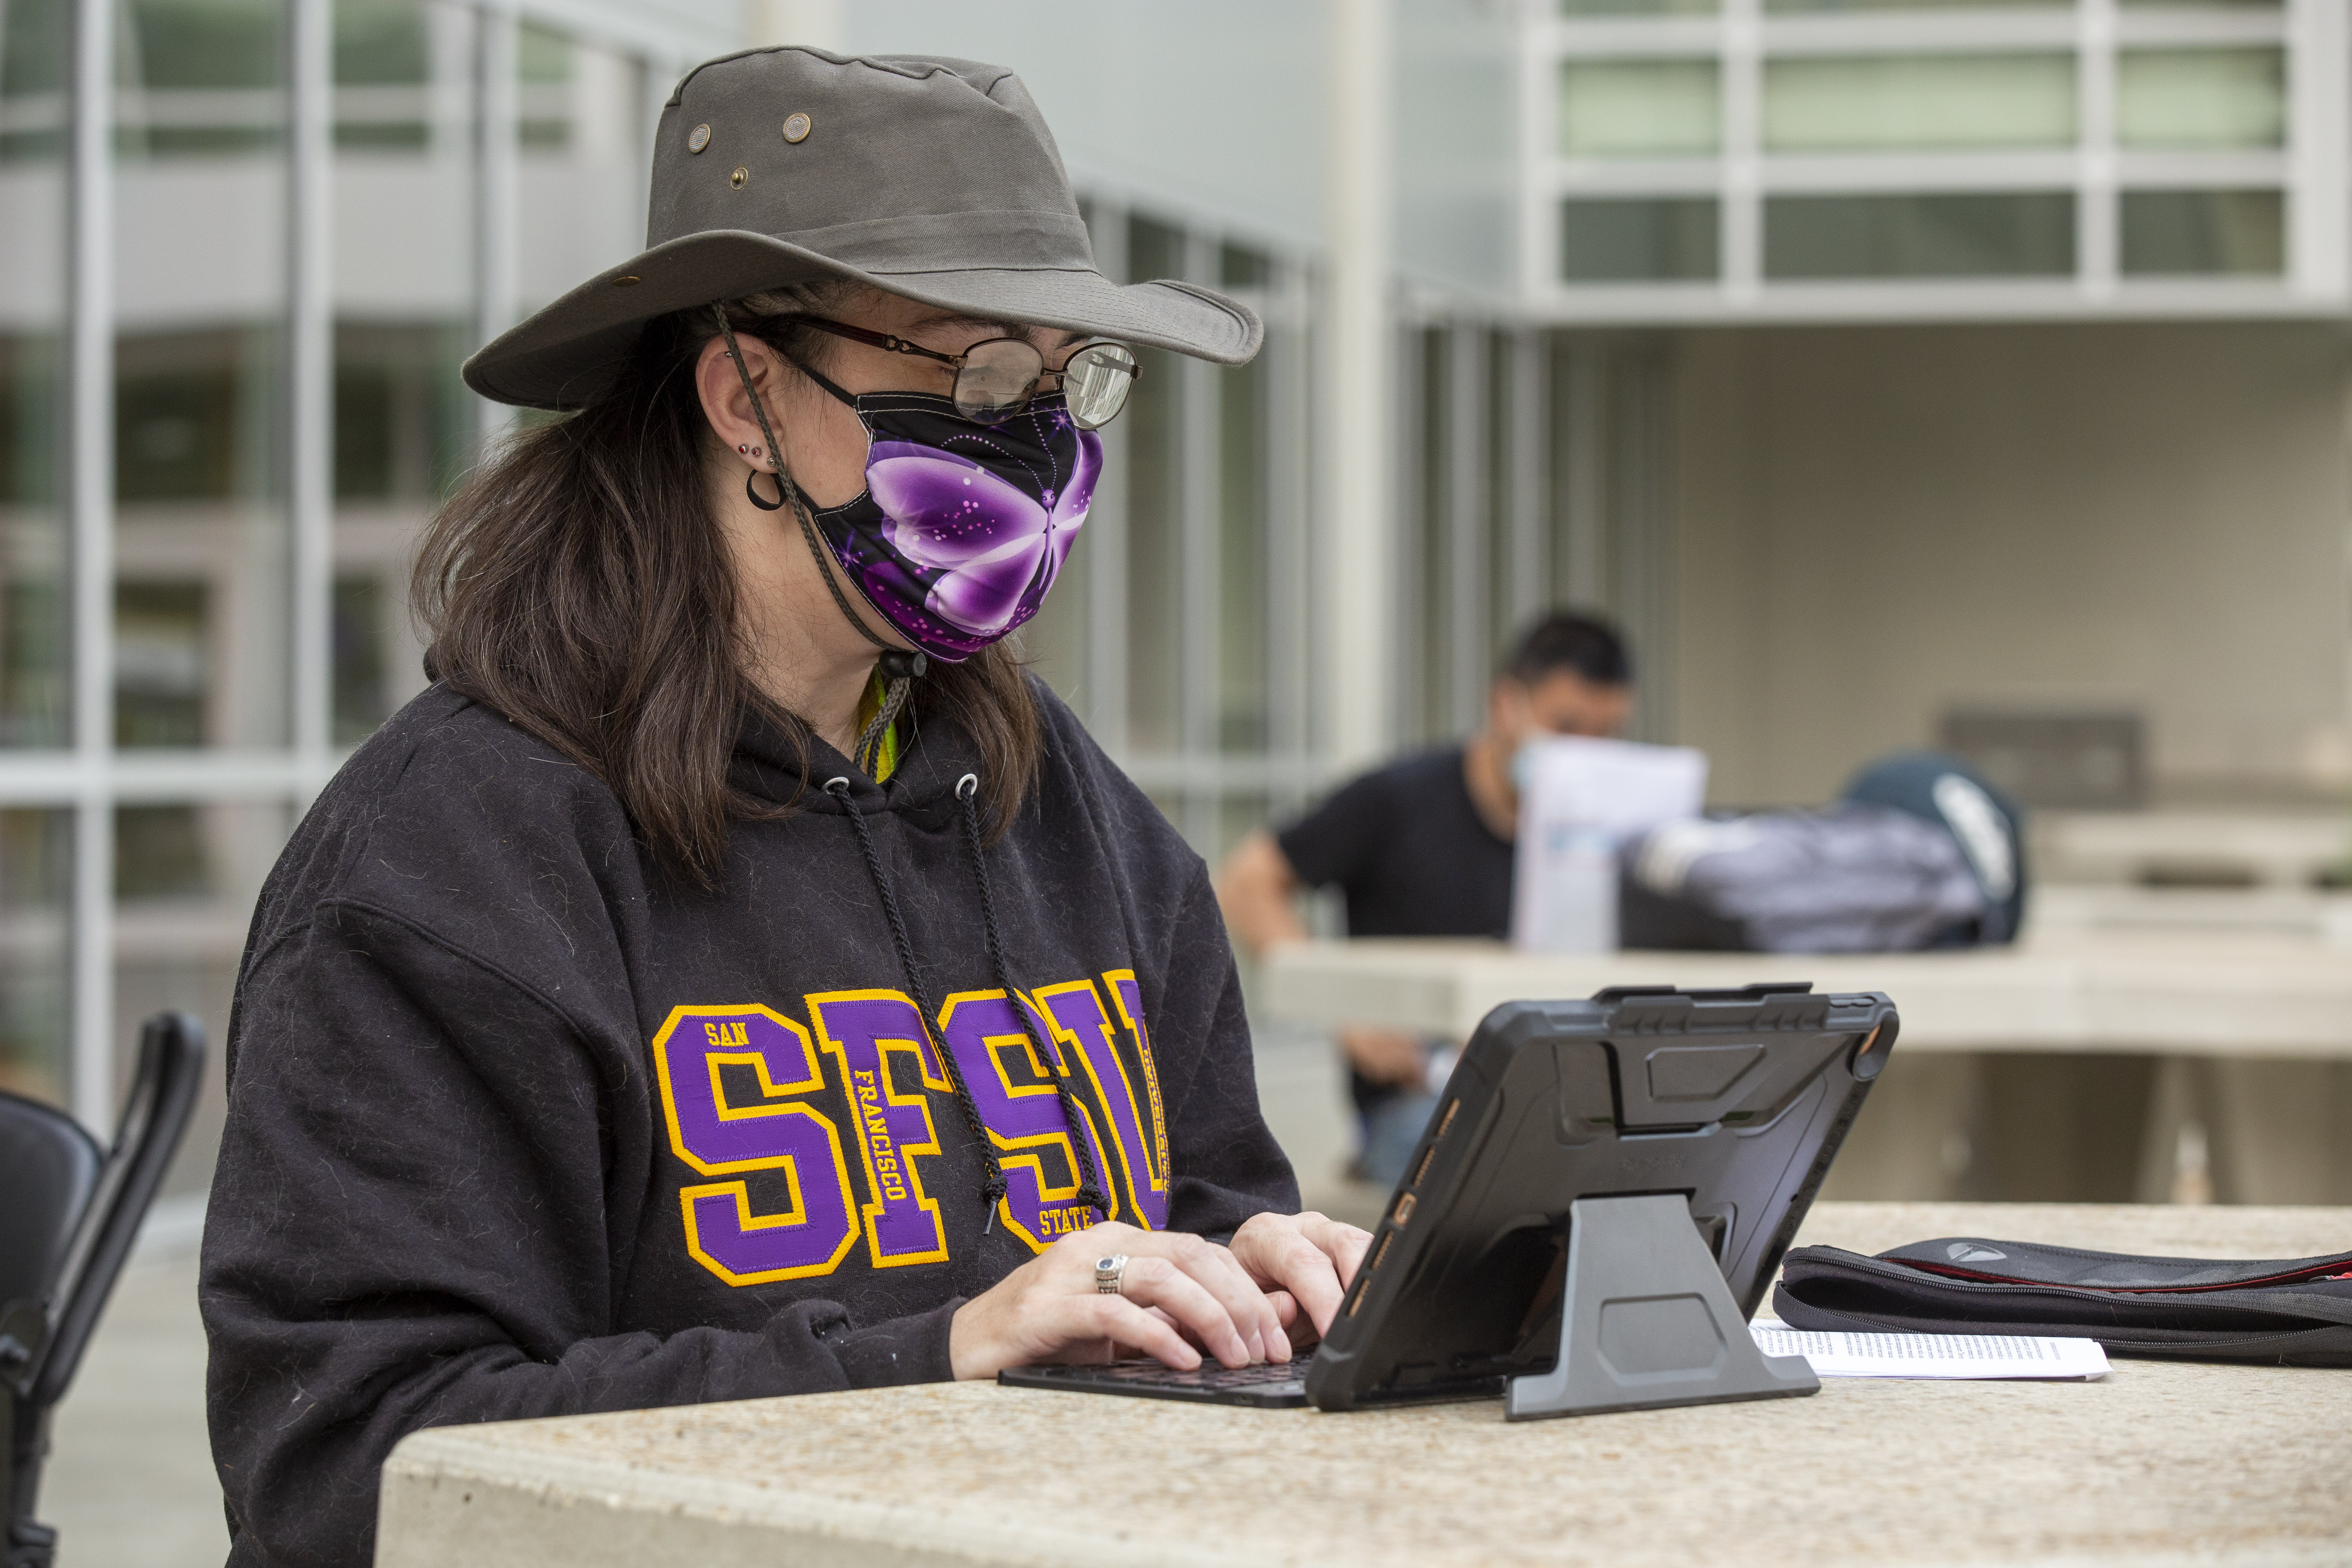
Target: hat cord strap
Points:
(897, 664)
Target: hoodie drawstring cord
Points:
(1090, 1188)
(996, 1188)
(900, 668)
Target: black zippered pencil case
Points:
(2294, 1311)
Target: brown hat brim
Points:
(566, 354)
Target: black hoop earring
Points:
(752, 492)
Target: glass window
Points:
(545, 65)
(1240, 269)
(1244, 526)
(1241, 537)
(2008, 235)
(164, 632)
(187, 422)
(1639, 7)
(2190, 232)
(1155, 523)
(34, 549)
(404, 425)
(201, 544)
(203, 77)
(1636, 108)
(383, 67)
(363, 691)
(1432, 559)
(159, 853)
(33, 68)
(2200, 98)
(1778, 6)
(1618, 239)
(580, 181)
(186, 873)
(36, 884)
(1918, 102)
(1502, 501)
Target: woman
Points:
(734, 977)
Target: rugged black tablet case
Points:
(2294, 1311)
(1733, 1099)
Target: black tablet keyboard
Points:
(1266, 1384)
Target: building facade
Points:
(1863, 358)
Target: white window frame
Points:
(2311, 168)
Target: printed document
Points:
(1933, 1355)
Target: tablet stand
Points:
(1646, 1321)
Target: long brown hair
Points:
(578, 584)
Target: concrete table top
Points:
(2196, 993)
(2160, 1463)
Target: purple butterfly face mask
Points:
(963, 526)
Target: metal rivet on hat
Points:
(626, 278)
(740, 177)
(796, 128)
(697, 139)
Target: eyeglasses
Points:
(994, 379)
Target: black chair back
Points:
(59, 1254)
(49, 1168)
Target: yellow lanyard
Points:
(886, 755)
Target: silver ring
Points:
(1111, 1274)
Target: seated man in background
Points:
(1424, 847)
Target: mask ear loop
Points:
(900, 667)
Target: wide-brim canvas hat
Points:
(934, 179)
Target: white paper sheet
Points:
(1581, 798)
(1933, 1355)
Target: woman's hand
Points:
(1307, 1257)
(1175, 1285)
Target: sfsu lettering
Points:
(745, 1089)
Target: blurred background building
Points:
(1897, 371)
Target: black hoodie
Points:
(519, 1125)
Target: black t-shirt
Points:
(1408, 849)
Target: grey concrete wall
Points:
(1876, 524)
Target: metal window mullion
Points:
(1290, 612)
(1466, 431)
(1530, 417)
(495, 182)
(90, 492)
(2096, 219)
(310, 378)
(1105, 541)
(1539, 213)
(1409, 651)
(1741, 135)
(1585, 551)
(1645, 536)
(1200, 512)
(2319, 103)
